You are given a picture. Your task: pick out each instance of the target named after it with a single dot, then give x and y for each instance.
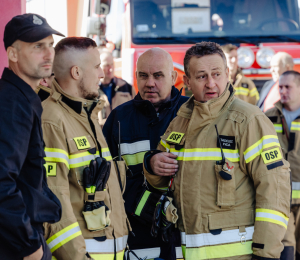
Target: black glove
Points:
(157, 216)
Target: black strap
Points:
(292, 141)
(119, 175)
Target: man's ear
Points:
(186, 81)
(289, 67)
(12, 54)
(227, 74)
(174, 77)
(75, 72)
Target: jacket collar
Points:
(9, 76)
(147, 107)
(279, 106)
(210, 109)
(75, 103)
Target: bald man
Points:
(269, 95)
(73, 144)
(117, 90)
(142, 121)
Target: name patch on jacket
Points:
(175, 137)
(82, 142)
(50, 169)
(271, 155)
(227, 142)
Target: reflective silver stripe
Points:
(63, 236)
(106, 154)
(270, 216)
(208, 239)
(260, 146)
(295, 185)
(107, 246)
(132, 148)
(57, 155)
(83, 159)
(206, 154)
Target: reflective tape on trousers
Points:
(107, 246)
(208, 239)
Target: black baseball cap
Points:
(27, 28)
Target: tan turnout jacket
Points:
(246, 211)
(290, 142)
(71, 143)
(245, 89)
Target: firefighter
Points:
(269, 93)
(244, 87)
(116, 90)
(286, 119)
(232, 184)
(142, 121)
(25, 199)
(74, 141)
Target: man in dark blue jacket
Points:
(25, 199)
(142, 121)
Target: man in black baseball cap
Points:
(26, 202)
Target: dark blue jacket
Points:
(141, 128)
(25, 199)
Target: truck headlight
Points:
(264, 56)
(245, 57)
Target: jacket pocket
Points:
(225, 184)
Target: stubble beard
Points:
(85, 94)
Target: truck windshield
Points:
(222, 21)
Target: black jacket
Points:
(25, 199)
(141, 128)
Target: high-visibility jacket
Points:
(234, 210)
(73, 138)
(245, 89)
(290, 142)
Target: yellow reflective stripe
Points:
(119, 256)
(255, 150)
(254, 92)
(142, 203)
(241, 91)
(56, 150)
(271, 216)
(205, 154)
(53, 258)
(219, 251)
(57, 155)
(63, 236)
(53, 159)
(296, 194)
(134, 159)
(295, 126)
(278, 128)
(164, 144)
(106, 154)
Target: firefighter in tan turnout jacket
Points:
(73, 138)
(244, 87)
(231, 185)
(286, 119)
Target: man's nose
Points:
(150, 82)
(49, 53)
(210, 82)
(100, 73)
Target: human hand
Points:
(164, 164)
(37, 255)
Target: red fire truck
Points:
(260, 28)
